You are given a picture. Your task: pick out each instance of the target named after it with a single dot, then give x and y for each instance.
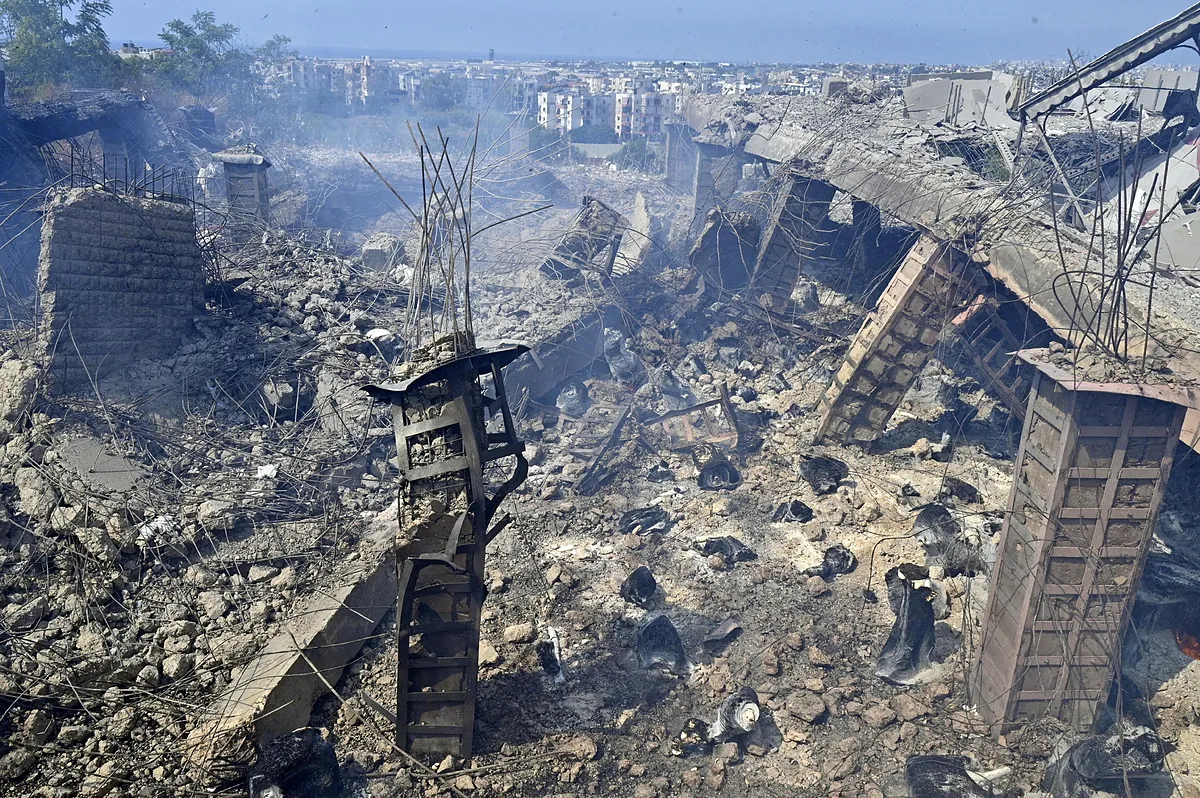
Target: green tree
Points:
(57, 43)
(635, 154)
(204, 60)
(441, 91)
(547, 145)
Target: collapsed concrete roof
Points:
(873, 153)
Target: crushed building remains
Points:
(854, 454)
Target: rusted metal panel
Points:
(993, 347)
(1091, 472)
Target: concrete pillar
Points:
(246, 186)
(894, 343)
(1090, 476)
(791, 235)
(867, 225)
(680, 157)
(704, 191)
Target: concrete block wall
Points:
(120, 279)
(893, 344)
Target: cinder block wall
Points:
(120, 279)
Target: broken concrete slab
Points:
(99, 468)
(274, 693)
(637, 239)
(382, 252)
(593, 230)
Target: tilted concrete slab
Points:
(274, 693)
(876, 156)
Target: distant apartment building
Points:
(632, 85)
(479, 93)
(648, 114)
(599, 110)
(561, 112)
(310, 75)
(524, 94)
(638, 114)
(370, 84)
(130, 51)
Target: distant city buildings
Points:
(630, 99)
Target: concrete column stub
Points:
(1090, 477)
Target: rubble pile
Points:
(687, 597)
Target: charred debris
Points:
(861, 468)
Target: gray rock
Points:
(213, 605)
(16, 763)
(520, 633)
(262, 573)
(177, 665)
(38, 498)
(23, 617)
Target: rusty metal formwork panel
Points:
(707, 422)
(894, 343)
(445, 511)
(1090, 476)
(795, 219)
(993, 348)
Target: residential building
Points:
(599, 110)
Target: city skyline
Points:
(764, 32)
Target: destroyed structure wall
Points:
(120, 279)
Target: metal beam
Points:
(1116, 62)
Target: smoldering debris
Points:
(644, 521)
(822, 473)
(298, 765)
(736, 717)
(722, 635)
(728, 548)
(946, 547)
(573, 398)
(793, 511)
(836, 560)
(935, 776)
(714, 470)
(639, 587)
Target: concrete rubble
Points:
(775, 498)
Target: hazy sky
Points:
(868, 31)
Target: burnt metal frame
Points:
(438, 579)
(684, 435)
